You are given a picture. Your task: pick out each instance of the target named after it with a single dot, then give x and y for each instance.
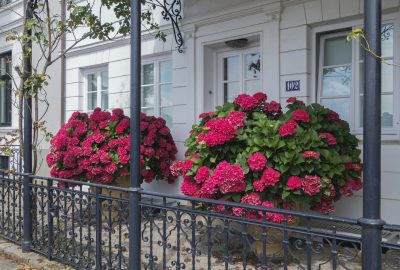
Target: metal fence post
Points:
(27, 238)
(371, 221)
(50, 214)
(98, 230)
(135, 108)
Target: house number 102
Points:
(292, 85)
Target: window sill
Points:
(388, 136)
(7, 128)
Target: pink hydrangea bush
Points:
(96, 148)
(249, 151)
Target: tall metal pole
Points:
(371, 221)
(135, 107)
(27, 198)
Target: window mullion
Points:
(98, 89)
(157, 96)
(242, 67)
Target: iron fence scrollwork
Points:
(86, 226)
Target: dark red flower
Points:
(260, 96)
(325, 206)
(246, 102)
(294, 182)
(330, 139)
(273, 107)
(289, 128)
(301, 115)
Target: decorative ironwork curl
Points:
(172, 11)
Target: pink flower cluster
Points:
(247, 102)
(310, 154)
(219, 132)
(311, 184)
(301, 115)
(226, 178)
(352, 184)
(255, 200)
(353, 166)
(289, 128)
(269, 179)
(236, 119)
(273, 108)
(294, 182)
(257, 161)
(96, 148)
(325, 206)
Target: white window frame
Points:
(320, 73)
(98, 71)
(157, 84)
(388, 134)
(220, 76)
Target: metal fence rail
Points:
(86, 226)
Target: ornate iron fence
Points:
(86, 226)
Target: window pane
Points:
(337, 51)
(92, 82)
(166, 113)
(166, 95)
(148, 111)
(252, 87)
(92, 100)
(165, 71)
(104, 100)
(387, 40)
(387, 110)
(387, 77)
(231, 68)
(253, 66)
(5, 89)
(148, 96)
(148, 74)
(336, 81)
(362, 77)
(231, 90)
(104, 80)
(339, 105)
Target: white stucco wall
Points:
(286, 31)
(11, 20)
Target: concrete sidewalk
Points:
(11, 257)
(8, 263)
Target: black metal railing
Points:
(86, 226)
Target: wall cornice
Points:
(271, 9)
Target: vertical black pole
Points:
(135, 107)
(371, 221)
(27, 239)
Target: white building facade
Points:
(281, 47)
